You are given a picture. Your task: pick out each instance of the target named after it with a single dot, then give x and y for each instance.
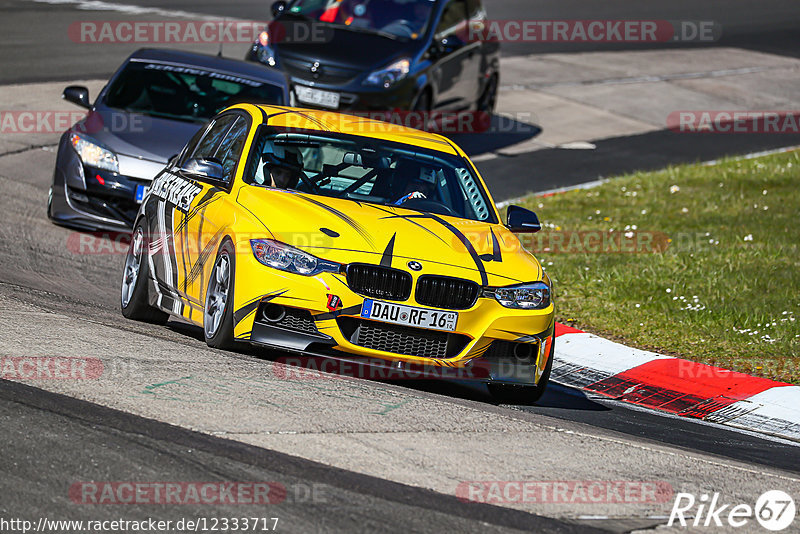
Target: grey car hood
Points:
(136, 135)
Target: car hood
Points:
(347, 231)
(357, 50)
(136, 135)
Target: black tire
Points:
(423, 102)
(221, 337)
(523, 395)
(136, 304)
(488, 99)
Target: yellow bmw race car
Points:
(355, 240)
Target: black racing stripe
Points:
(312, 119)
(496, 253)
(343, 216)
(199, 242)
(169, 223)
(206, 201)
(352, 310)
(244, 311)
(408, 218)
(461, 237)
(251, 306)
(199, 265)
(386, 259)
(184, 248)
(464, 241)
(208, 194)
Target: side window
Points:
(208, 146)
(453, 21)
(190, 146)
(230, 149)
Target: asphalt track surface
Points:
(50, 441)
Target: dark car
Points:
(377, 55)
(143, 117)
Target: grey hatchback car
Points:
(146, 113)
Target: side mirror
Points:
(278, 8)
(77, 94)
(204, 169)
(450, 44)
(520, 220)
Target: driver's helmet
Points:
(286, 158)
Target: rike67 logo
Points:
(774, 510)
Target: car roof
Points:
(246, 69)
(331, 121)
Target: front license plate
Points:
(387, 312)
(141, 192)
(308, 95)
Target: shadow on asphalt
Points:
(556, 396)
(503, 132)
(569, 404)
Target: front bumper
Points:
(490, 343)
(92, 199)
(353, 94)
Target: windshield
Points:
(400, 18)
(368, 170)
(184, 93)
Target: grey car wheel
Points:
(133, 295)
(218, 314)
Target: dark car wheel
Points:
(423, 101)
(488, 100)
(134, 299)
(523, 395)
(218, 314)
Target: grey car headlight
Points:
(93, 153)
(531, 296)
(286, 258)
(389, 75)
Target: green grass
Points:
(714, 295)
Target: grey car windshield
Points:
(400, 18)
(184, 93)
(368, 170)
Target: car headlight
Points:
(285, 258)
(390, 75)
(533, 296)
(93, 154)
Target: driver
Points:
(421, 185)
(284, 172)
